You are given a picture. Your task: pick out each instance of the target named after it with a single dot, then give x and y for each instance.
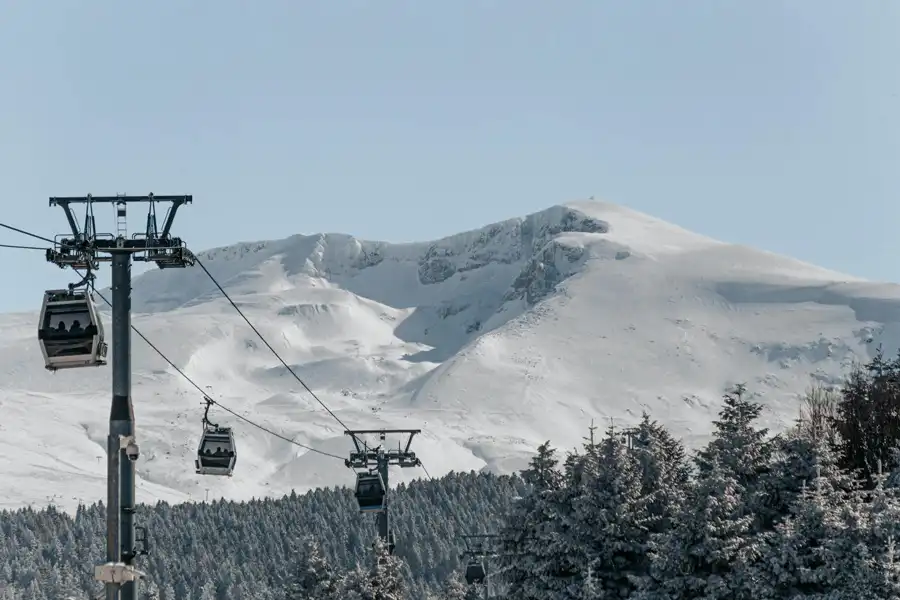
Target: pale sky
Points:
(769, 123)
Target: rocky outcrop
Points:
(507, 243)
(553, 265)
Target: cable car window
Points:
(369, 489)
(74, 321)
(69, 325)
(217, 448)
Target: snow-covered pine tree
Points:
(838, 539)
(799, 558)
(357, 585)
(709, 551)
(544, 565)
(383, 580)
(740, 448)
(799, 459)
(521, 555)
(664, 469)
(893, 474)
(611, 521)
(835, 545)
(208, 591)
(552, 554)
(737, 445)
(386, 574)
(168, 592)
(454, 588)
(151, 591)
(854, 573)
(313, 577)
(882, 519)
(867, 418)
(712, 546)
(542, 473)
(854, 416)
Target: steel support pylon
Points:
(85, 250)
(121, 417)
(384, 524)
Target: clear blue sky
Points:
(764, 122)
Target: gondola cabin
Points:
(370, 492)
(216, 454)
(70, 331)
(475, 573)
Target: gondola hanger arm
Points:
(209, 402)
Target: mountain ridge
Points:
(491, 341)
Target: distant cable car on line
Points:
(217, 453)
(370, 492)
(70, 331)
(475, 572)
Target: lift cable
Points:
(256, 331)
(208, 399)
(21, 247)
(29, 234)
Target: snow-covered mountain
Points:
(491, 341)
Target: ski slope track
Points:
(490, 341)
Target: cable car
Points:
(70, 331)
(370, 492)
(475, 572)
(216, 454)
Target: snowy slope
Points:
(491, 341)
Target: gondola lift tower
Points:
(371, 465)
(66, 343)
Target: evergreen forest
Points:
(810, 513)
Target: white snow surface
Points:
(491, 341)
